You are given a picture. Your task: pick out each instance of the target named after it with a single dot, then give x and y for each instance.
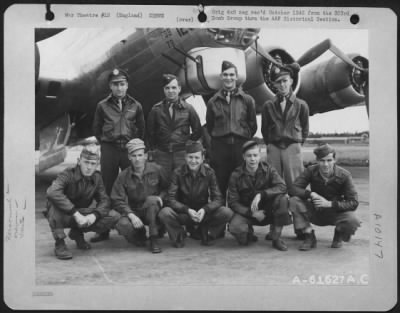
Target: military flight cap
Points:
(248, 145)
(227, 65)
(167, 78)
(118, 75)
(135, 144)
(193, 146)
(323, 150)
(287, 69)
(90, 152)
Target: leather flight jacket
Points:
(339, 188)
(130, 191)
(237, 118)
(201, 191)
(242, 188)
(113, 125)
(283, 128)
(169, 134)
(71, 192)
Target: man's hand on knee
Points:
(193, 215)
(320, 202)
(255, 202)
(80, 219)
(136, 221)
(91, 219)
(259, 215)
(201, 214)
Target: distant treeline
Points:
(343, 134)
(319, 135)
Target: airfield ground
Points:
(116, 262)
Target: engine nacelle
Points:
(203, 77)
(332, 85)
(258, 83)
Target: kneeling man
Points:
(257, 195)
(138, 195)
(331, 201)
(69, 200)
(194, 199)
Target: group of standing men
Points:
(179, 189)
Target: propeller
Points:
(266, 56)
(342, 71)
(322, 47)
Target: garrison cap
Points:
(167, 78)
(323, 150)
(287, 69)
(118, 75)
(227, 65)
(90, 152)
(135, 144)
(248, 145)
(193, 146)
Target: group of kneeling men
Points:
(190, 201)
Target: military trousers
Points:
(214, 222)
(276, 213)
(113, 158)
(59, 220)
(304, 214)
(148, 214)
(287, 161)
(169, 160)
(225, 158)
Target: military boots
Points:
(337, 240)
(279, 244)
(77, 235)
(61, 251)
(206, 238)
(154, 246)
(309, 242)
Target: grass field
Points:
(350, 155)
(346, 154)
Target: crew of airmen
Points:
(166, 184)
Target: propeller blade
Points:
(314, 52)
(267, 56)
(322, 47)
(336, 51)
